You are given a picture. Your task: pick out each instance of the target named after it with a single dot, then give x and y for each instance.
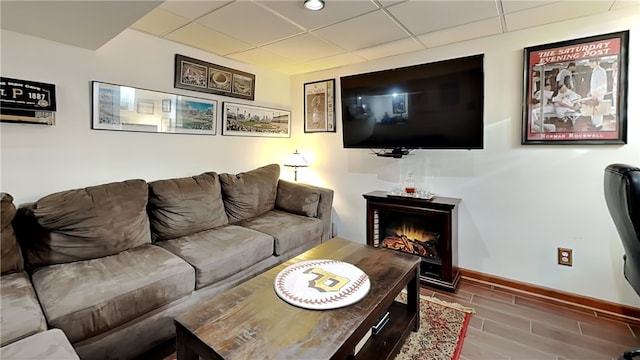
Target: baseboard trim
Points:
(599, 307)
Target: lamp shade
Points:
(295, 160)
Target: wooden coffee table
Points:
(251, 322)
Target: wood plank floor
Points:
(509, 324)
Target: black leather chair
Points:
(622, 194)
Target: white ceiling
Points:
(283, 35)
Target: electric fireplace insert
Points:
(425, 228)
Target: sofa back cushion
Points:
(11, 257)
(251, 193)
(185, 206)
(86, 223)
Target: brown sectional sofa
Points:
(113, 264)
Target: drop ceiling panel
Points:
(336, 61)
(305, 47)
(364, 31)
(511, 6)
(265, 57)
(474, 30)
(160, 22)
(554, 12)
(249, 23)
(425, 16)
(619, 4)
(192, 9)
(334, 12)
(293, 69)
(204, 38)
(386, 3)
(389, 49)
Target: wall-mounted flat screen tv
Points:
(437, 105)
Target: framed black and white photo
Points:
(248, 120)
(575, 91)
(202, 76)
(319, 106)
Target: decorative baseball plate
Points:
(322, 284)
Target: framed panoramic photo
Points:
(575, 91)
(249, 120)
(319, 106)
(202, 76)
(179, 115)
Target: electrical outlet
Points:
(565, 256)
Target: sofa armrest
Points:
(302, 199)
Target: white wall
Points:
(38, 160)
(519, 202)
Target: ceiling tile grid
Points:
(283, 36)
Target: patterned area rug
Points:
(443, 327)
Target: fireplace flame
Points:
(415, 233)
(412, 240)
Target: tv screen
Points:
(437, 105)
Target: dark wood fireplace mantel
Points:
(418, 223)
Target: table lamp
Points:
(295, 160)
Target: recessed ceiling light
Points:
(314, 4)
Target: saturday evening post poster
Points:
(575, 91)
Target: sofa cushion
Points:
(184, 206)
(87, 223)
(20, 313)
(10, 255)
(216, 254)
(50, 344)
(297, 198)
(251, 193)
(288, 230)
(89, 297)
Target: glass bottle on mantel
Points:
(410, 184)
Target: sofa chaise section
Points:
(23, 328)
(20, 312)
(50, 344)
(94, 267)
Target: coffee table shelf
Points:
(390, 340)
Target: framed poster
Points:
(27, 102)
(248, 120)
(202, 76)
(575, 91)
(179, 115)
(319, 106)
